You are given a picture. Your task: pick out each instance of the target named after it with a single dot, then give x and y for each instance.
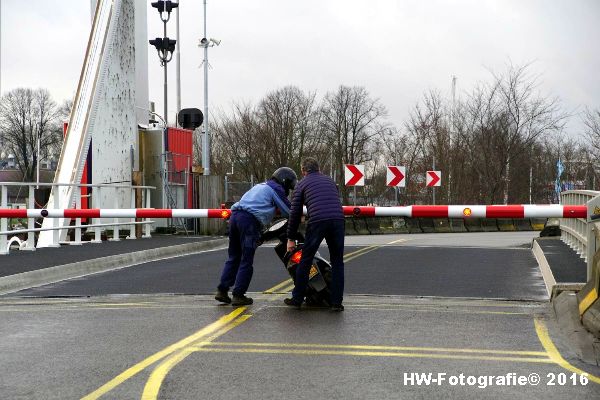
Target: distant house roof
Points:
(14, 175)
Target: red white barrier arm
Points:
(472, 211)
(467, 211)
(115, 213)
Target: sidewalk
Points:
(566, 265)
(24, 269)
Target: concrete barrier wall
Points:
(457, 225)
(383, 225)
(473, 225)
(523, 224)
(489, 225)
(587, 298)
(505, 225)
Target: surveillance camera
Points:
(215, 41)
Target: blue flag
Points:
(560, 168)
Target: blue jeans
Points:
(332, 231)
(244, 234)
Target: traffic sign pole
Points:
(434, 186)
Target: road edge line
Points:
(140, 366)
(154, 383)
(542, 332)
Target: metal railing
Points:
(576, 232)
(8, 234)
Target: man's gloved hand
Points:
(291, 245)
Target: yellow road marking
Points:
(587, 301)
(358, 251)
(157, 377)
(372, 354)
(371, 248)
(137, 368)
(100, 308)
(347, 257)
(429, 309)
(278, 286)
(375, 347)
(553, 353)
(442, 302)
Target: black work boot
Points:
(241, 300)
(222, 296)
(337, 307)
(292, 303)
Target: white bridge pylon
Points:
(83, 113)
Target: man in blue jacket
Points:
(254, 211)
(325, 221)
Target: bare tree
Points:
(591, 119)
(241, 143)
(352, 121)
(288, 120)
(528, 114)
(26, 117)
(428, 126)
(402, 148)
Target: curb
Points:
(545, 269)
(567, 315)
(26, 280)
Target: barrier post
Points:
(147, 205)
(77, 241)
(56, 221)
(116, 237)
(132, 226)
(3, 221)
(96, 192)
(30, 245)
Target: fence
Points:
(209, 194)
(10, 235)
(577, 233)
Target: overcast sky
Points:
(396, 49)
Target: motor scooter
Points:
(319, 277)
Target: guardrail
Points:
(576, 232)
(95, 222)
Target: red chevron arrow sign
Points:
(355, 175)
(434, 178)
(395, 176)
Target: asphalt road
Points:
(186, 347)
(485, 266)
(468, 309)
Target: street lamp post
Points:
(164, 46)
(206, 43)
